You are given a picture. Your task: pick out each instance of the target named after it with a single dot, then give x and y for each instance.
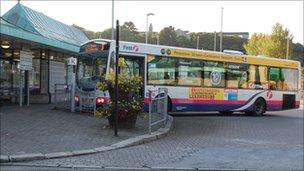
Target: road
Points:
(207, 141)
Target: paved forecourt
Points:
(271, 142)
(39, 131)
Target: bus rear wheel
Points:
(259, 108)
(226, 112)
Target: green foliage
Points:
(106, 34)
(274, 45)
(183, 41)
(259, 44)
(89, 34)
(298, 53)
(130, 99)
(167, 36)
(128, 32)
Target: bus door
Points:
(135, 66)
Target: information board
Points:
(26, 60)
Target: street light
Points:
(147, 26)
(221, 39)
(112, 36)
(287, 48)
(197, 41)
(214, 42)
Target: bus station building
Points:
(49, 41)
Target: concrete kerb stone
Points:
(172, 168)
(219, 169)
(125, 168)
(4, 158)
(58, 154)
(24, 157)
(161, 132)
(105, 148)
(83, 152)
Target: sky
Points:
(194, 16)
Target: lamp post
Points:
(112, 37)
(197, 41)
(214, 42)
(221, 39)
(287, 48)
(147, 26)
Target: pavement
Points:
(39, 132)
(207, 141)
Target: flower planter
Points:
(123, 123)
(130, 101)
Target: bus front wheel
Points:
(258, 109)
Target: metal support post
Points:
(116, 78)
(73, 91)
(165, 105)
(80, 100)
(150, 117)
(20, 89)
(27, 89)
(56, 104)
(72, 62)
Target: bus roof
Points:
(161, 50)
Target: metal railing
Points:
(158, 108)
(62, 96)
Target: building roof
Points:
(17, 32)
(37, 23)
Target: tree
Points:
(167, 36)
(128, 32)
(89, 34)
(259, 44)
(106, 34)
(183, 41)
(129, 26)
(298, 53)
(274, 45)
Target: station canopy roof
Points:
(26, 23)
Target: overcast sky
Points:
(194, 16)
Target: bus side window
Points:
(251, 77)
(237, 75)
(282, 78)
(161, 71)
(258, 77)
(290, 79)
(214, 74)
(274, 77)
(189, 72)
(263, 77)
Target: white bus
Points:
(198, 80)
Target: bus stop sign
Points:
(72, 61)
